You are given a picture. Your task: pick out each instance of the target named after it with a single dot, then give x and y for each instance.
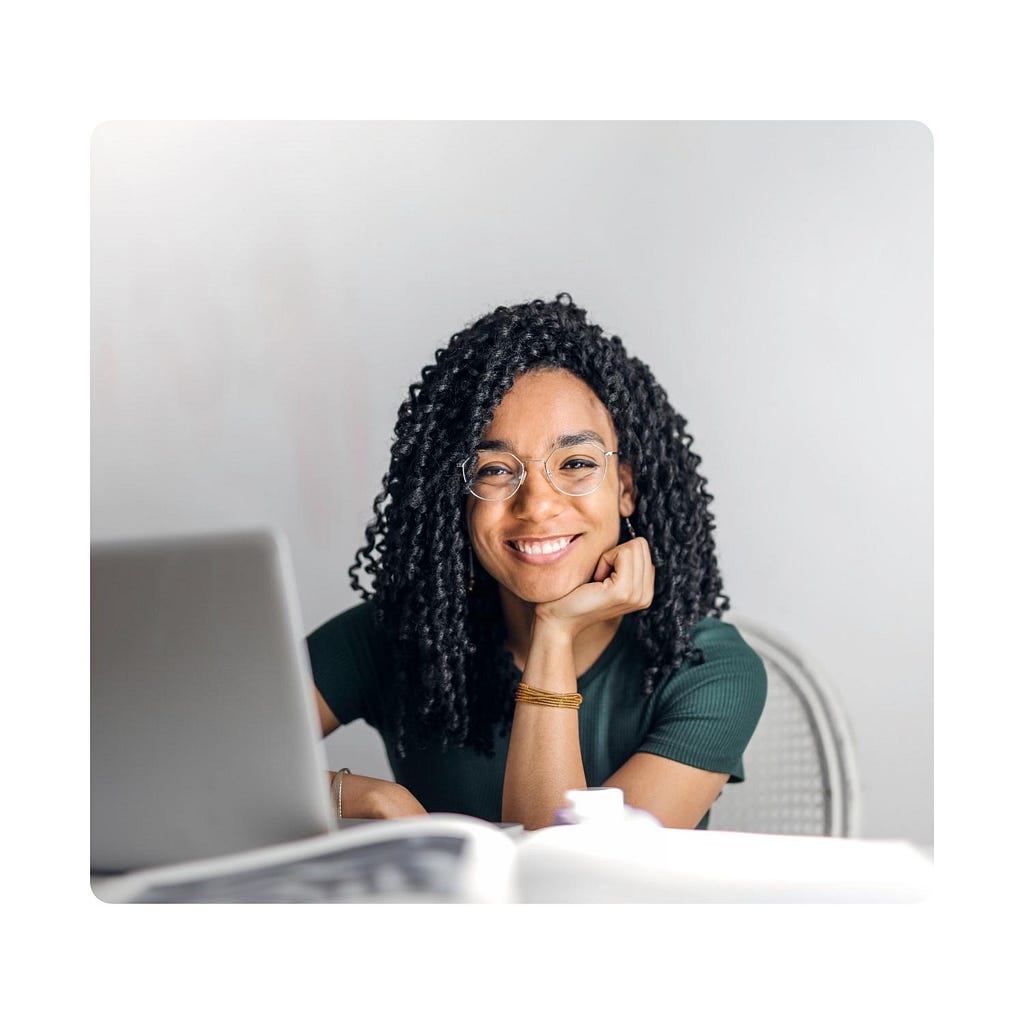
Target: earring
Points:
(629, 526)
(472, 580)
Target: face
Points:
(541, 407)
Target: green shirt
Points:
(703, 716)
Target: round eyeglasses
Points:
(574, 469)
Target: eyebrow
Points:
(562, 441)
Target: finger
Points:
(625, 572)
(628, 575)
(649, 573)
(607, 563)
(637, 555)
(604, 569)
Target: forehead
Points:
(544, 405)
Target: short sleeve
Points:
(346, 659)
(704, 715)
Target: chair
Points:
(800, 768)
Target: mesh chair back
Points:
(800, 770)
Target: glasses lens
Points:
(577, 469)
(493, 476)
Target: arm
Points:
(362, 796)
(705, 716)
(328, 720)
(678, 795)
(544, 758)
(342, 653)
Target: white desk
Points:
(581, 864)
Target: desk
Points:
(581, 864)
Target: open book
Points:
(447, 858)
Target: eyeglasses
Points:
(574, 469)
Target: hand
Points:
(365, 797)
(623, 583)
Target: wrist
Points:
(552, 647)
(336, 785)
(550, 663)
(553, 631)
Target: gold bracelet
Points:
(336, 788)
(550, 700)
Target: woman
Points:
(542, 536)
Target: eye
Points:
(579, 462)
(493, 470)
(495, 467)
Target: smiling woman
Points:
(545, 606)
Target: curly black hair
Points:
(455, 678)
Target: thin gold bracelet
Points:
(529, 695)
(336, 788)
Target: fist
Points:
(623, 583)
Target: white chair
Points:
(800, 768)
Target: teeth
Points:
(546, 547)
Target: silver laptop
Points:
(208, 773)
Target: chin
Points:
(543, 595)
(543, 591)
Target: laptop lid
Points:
(204, 732)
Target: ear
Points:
(627, 492)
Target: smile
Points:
(542, 550)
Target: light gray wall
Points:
(264, 293)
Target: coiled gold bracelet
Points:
(529, 695)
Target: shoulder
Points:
(349, 657)
(351, 639)
(705, 713)
(357, 619)
(719, 639)
(726, 669)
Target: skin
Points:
(561, 614)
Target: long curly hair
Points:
(455, 678)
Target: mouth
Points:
(542, 550)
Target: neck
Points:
(587, 647)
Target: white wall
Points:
(264, 293)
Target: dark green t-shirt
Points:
(703, 716)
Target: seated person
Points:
(544, 605)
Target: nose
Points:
(537, 497)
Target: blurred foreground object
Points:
(594, 864)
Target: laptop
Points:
(208, 772)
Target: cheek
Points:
(480, 526)
(607, 520)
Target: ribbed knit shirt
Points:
(704, 715)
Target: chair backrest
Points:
(800, 768)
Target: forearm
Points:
(544, 757)
(366, 797)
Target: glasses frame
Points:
(521, 477)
